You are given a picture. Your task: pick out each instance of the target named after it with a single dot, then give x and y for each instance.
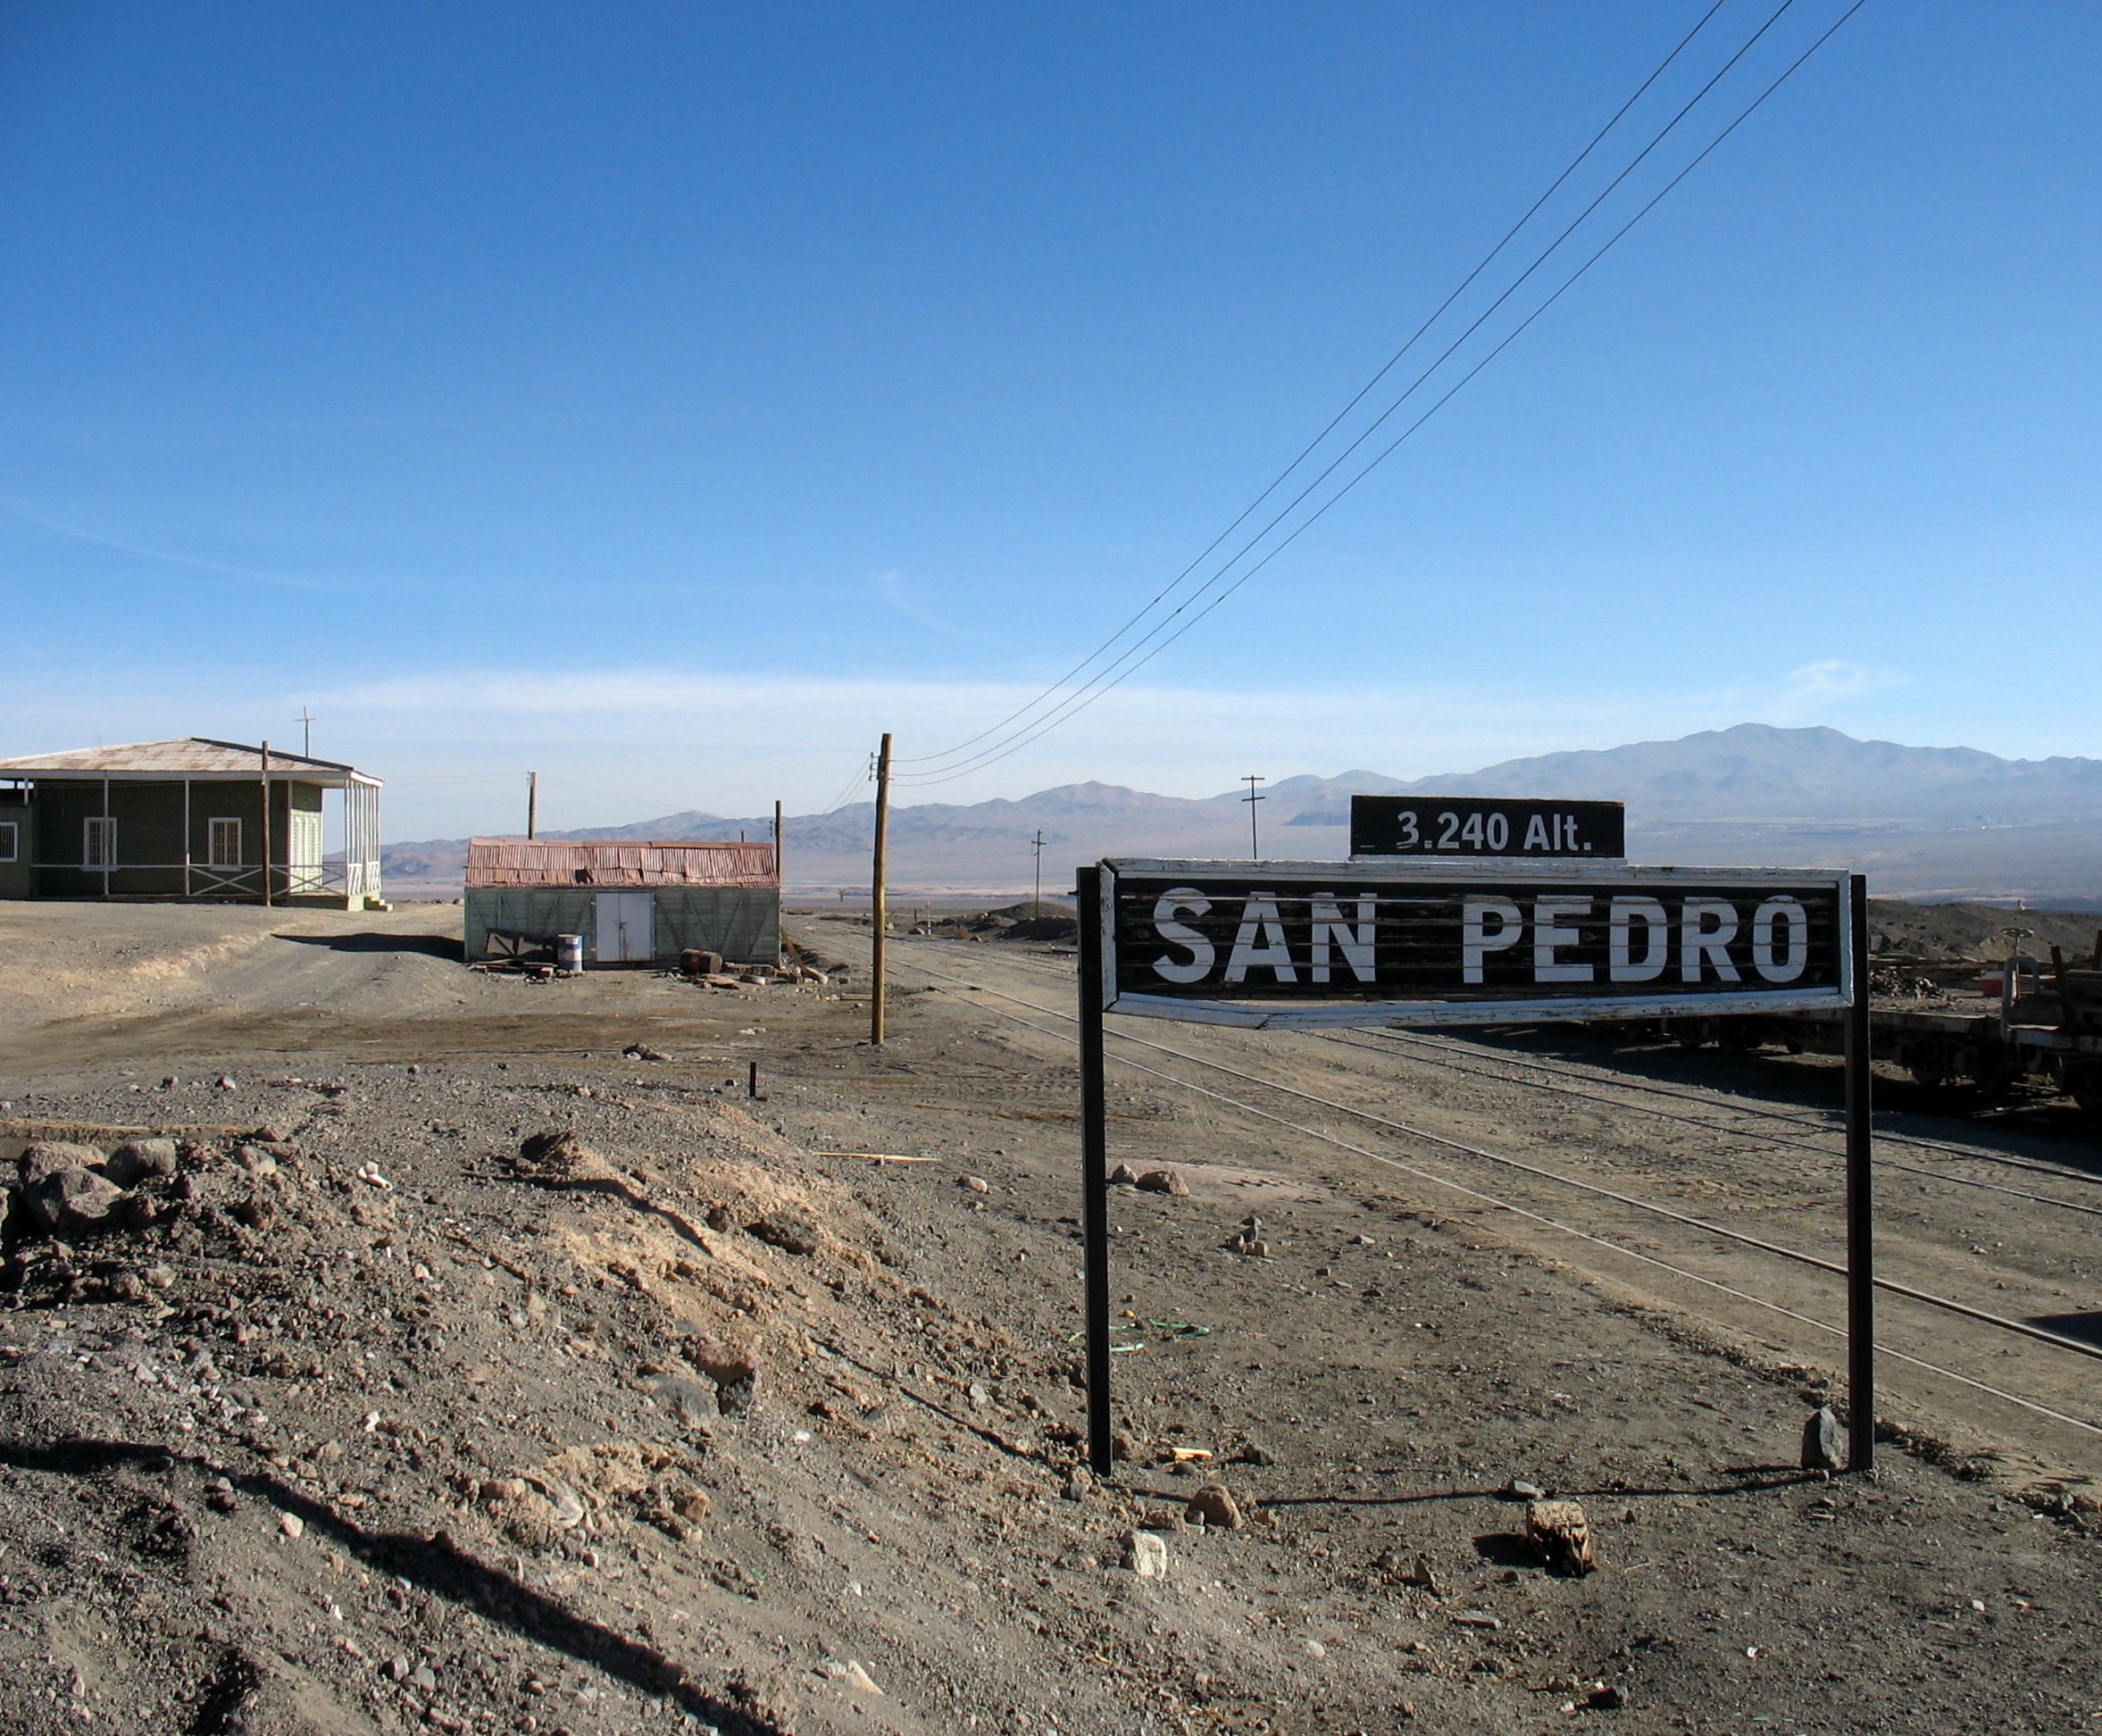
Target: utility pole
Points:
(533, 804)
(879, 915)
(266, 891)
(1251, 798)
(306, 723)
(1038, 843)
(780, 885)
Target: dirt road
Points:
(724, 1413)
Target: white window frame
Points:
(212, 827)
(10, 840)
(102, 826)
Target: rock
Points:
(978, 1395)
(735, 1397)
(1477, 1618)
(723, 1360)
(291, 1524)
(1519, 1490)
(397, 1668)
(1824, 1442)
(140, 1160)
(226, 1082)
(1163, 1181)
(1080, 1483)
(1250, 1452)
(72, 1202)
(1146, 1554)
(127, 1287)
(692, 1506)
(39, 1163)
(255, 1160)
(972, 1184)
(1123, 1176)
(1215, 1505)
(1611, 1698)
(790, 1232)
(1562, 1536)
(644, 1052)
(271, 1133)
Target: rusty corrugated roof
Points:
(185, 757)
(550, 862)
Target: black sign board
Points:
(1432, 943)
(1466, 826)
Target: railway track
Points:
(1607, 1219)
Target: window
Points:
(100, 845)
(9, 846)
(226, 843)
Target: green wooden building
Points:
(188, 818)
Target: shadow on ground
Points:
(436, 1564)
(436, 945)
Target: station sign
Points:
(1470, 826)
(1440, 943)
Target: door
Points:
(303, 847)
(625, 922)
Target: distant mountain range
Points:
(1922, 821)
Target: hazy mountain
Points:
(1947, 822)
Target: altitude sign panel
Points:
(1457, 827)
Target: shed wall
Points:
(743, 923)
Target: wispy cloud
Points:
(894, 589)
(162, 557)
(1832, 680)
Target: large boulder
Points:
(72, 1202)
(140, 1160)
(41, 1162)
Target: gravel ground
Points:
(417, 1397)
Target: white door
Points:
(625, 923)
(302, 853)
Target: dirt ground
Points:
(469, 1373)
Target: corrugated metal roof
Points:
(547, 862)
(185, 757)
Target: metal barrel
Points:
(569, 952)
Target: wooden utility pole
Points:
(879, 915)
(1038, 843)
(533, 804)
(266, 892)
(1252, 779)
(780, 884)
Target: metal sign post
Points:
(1095, 1169)
(1430, 942)
(1861, 1244)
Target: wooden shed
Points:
(188, 818)
(631, 902)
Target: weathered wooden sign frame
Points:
(1429, 943)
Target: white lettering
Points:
(1173, 902)
(1261, 941)
(1476, 941)
(1547, 936)
(1622, 965)
(1536, 833)
(1697, 940)
(1794, 947)
(1356, 941)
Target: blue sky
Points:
(670, 398)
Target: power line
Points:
(1277, 481)
(1125, 666)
